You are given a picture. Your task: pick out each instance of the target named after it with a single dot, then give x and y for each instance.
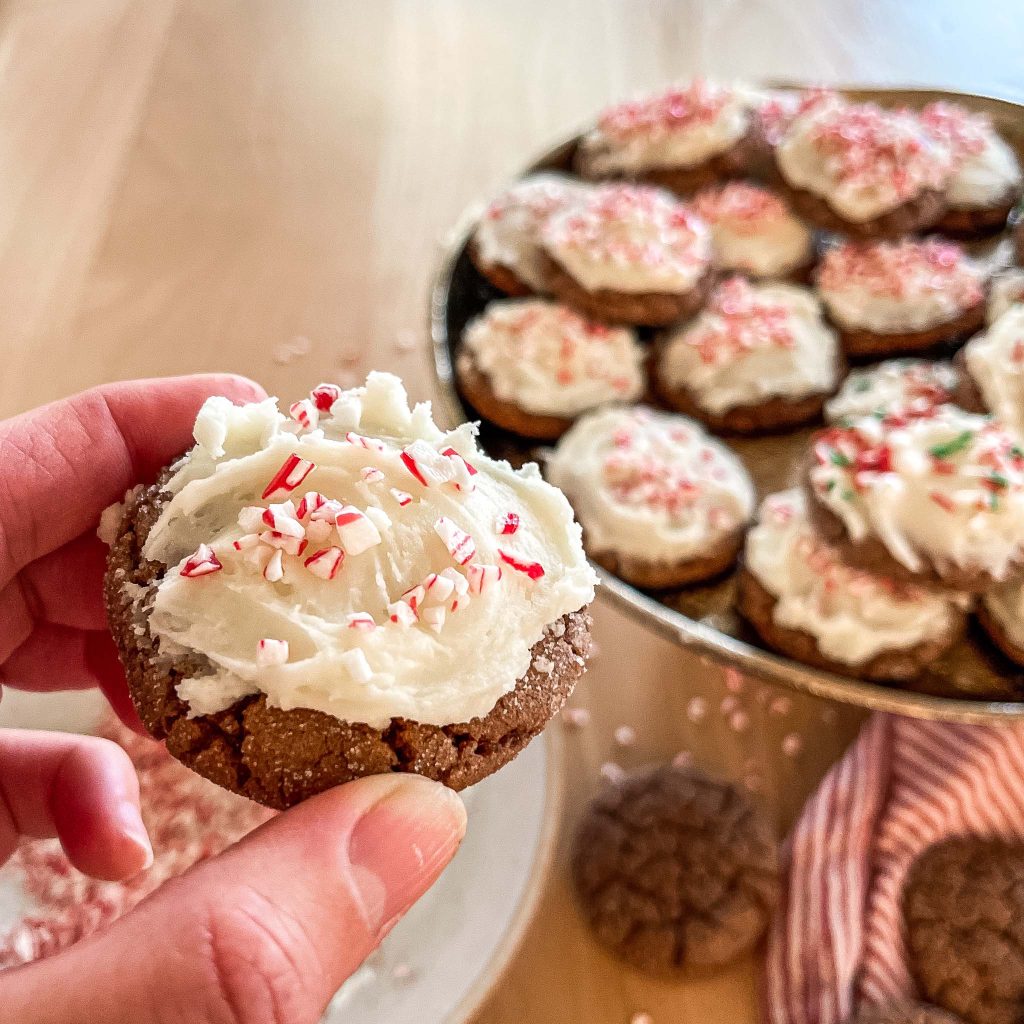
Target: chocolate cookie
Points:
(904, 1013)
(976, 223)
(279, 758)
(860, 344)
(964, 910)
(675, 871)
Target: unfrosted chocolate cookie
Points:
(964, 910)
(675, 871)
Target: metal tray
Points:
(973, 683)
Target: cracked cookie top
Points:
(355, 559)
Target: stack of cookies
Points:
(706, 266)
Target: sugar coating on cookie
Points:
(753, 230)
(630, 238)
(1005, 605)
(1005, 289)
(986, 172)
(355, 559)
(862, 160)
(547, 359)
(650, 485)
(682, 126)
(944, 489)
(751, 343)
(913, 385)
(995, 361)
(852, 615)
(508, 233)
(898, 287)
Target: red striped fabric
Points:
(903, 785)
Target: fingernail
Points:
(402, 843)
(132, 828)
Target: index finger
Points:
(62, 464)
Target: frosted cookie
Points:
(629, 253)
(661, 503)
(505, 243)
(986, 179)
(913, 385)
(302, 602)
(1001, 613)
(993, 367)
(1004, 290)
(861, 170)
(807, 603)
(681, 138)
(759, 357)
(532, 366)
(891, 298)
(754, 232)
(936, 498)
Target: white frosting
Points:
(985, 168)
(1005, 603)
(751, 343)
(549, 360)
(945, 488)
(897, 287)
(440, 664)
(862, 160)
(650, 485)
(995, 361)
(630, 238)
(854, 616)
(682, 126)
(753, 231)
(914, 384)
(1005, 289)
(508, 233)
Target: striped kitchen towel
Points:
(837, 943)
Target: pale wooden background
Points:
(187, 184)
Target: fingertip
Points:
(104, 663)
(234, 386)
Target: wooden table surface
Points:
(194, 184)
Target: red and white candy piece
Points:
(362, 621)
(283, 519)
(415, 597)
(270, 652)
(325, 563)
(311, 501)
(290, 476)
(371, 474)
(460, 545)
(201, 563)
(508, 523)
(464, 471)
(356, 530)
(482, 577)
(402, 614)
(357, 665)
(305, 413)
(434, 617)
(534, 570)
(246, 542)
(324, 396)
(371, 444)
(250, 518)
(460, 585)
(402, 497)
(274, 569)
(427, 465)
(289, 545)
(438, 587)
(327, 511)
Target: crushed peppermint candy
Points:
(460, 544)
(362, 621)
(325, 563)
(402, 614)
(738, 321)
(203, 562)
(371, 474)
(966, 133)
(357, 531)
(290, 476)
(427, 465)
(305, 413)
(324, 396)
(358, 667)
(680, 108)
(402, 497)
(508, 523)
(270, 652)
(903, 270)
(482, 577)
(533, 570)
(746, 208)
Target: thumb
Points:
(265, 933)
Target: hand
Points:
(267, 931)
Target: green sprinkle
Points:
(998, 480)
(837, 458)
(847, 495)
(862, 385)
(830, 486)
(958, 444)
